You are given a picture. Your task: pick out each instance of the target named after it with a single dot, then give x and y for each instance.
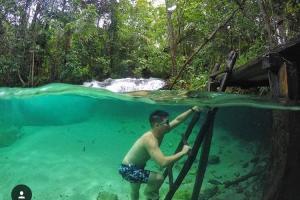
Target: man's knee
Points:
(135, 190)
(159, 178)
(134, 194)
(155, 181)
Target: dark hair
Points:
(157, 116)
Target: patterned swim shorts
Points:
(134, 174)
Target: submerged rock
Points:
(254, 160)
(183, 195)
(214, 182)
(8, 135)
(239, 189)
(209, 193)
(237, 174)
(107, 196)
(213, 159)
(245, 165)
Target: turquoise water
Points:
(66, 142)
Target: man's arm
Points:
(183, 116)
(156, 154)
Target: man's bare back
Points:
(138, 154)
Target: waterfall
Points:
(127, 84)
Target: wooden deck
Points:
(255, 73)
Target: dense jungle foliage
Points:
(73, 41)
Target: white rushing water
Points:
(127, 84)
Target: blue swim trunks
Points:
(134, 174)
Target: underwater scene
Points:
(67, 142)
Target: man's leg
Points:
(135, 191)
(152, 189)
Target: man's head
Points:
(159, 118)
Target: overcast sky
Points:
(158, 2)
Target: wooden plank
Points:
(255, 72)
(283, 81)
(212, 85)
(273, 82)
(230, 64)
(293, 80)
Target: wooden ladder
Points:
(204, 136)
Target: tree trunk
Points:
(112, 33)
(282, 180)
(172, 39)
(267, 22)
(283, 174)
(197, 50)
(34, 18)
(21, 48)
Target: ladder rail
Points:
(186, 135)
(203, 159)
(188, 164)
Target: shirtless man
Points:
(146, 147)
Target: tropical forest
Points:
(71, 41)
(150, 99)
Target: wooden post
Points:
(203, 159)
(288, 77)
(212, 85)
(283, 175)
(283, 78)
(283, 81)
(230, 64)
